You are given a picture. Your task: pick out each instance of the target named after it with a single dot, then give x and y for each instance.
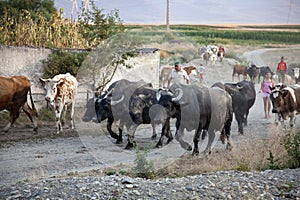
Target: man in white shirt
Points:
(178, 75)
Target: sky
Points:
(198, 11)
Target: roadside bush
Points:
(143, 167)
(291, 143)
(61, 62)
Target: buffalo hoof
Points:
(159, 145)
(115, 136)
(119, 141)
(195, 153)
(35, 130)
(130, 145)
(153, 137)
(169, 140)
(189, 148)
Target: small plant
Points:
(143, 168)
(274, 165)
(243, 166)
(291, 143)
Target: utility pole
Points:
(168, 16)
(289, 13)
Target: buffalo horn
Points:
(113, 103)
(179, 96)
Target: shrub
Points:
(291, 143)
(143, 168)
(61, 62)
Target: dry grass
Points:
(250, 153)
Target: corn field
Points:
(59, 32)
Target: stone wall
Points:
(28, 61)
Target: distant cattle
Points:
(60, 93)
(206, 57)
(243, 97)
(253, 72)
(263, 70)
(164, 75)
(13, 97)
(286, 102)
(196, 108)
(214, 53)
(294, 72)
(221, 53)
(239, 70)
(189, 69)
(296, 76)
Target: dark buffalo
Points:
(90, 113)
(243, 97)
(129, 103)
(253, 72)
(197, 108)
(263, 70)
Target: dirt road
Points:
(24, 156)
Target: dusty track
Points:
(32, 157)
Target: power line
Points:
(168, 16)
(289, 13)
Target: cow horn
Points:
(239, 87)
(179, 96)
(113, 103)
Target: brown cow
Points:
(286, 102)
(189, 69)
(239, 70)
(13, 97)
(164, 75)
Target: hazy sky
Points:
(199, 11)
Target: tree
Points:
(35, 7)
(95, 26)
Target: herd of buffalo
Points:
(205, 110)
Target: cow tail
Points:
(32, 103)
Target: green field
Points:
(250, 35)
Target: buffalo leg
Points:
(211, 137)
(178, 136)
(154, 132)
(239, 119)
(165, 132)
(168, 131)
(196, 141)
(108, 126)
(130, 142)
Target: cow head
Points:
(170, 102)
(90, 110)
(51, 86)
(283, 100)
(103, 108)
(296, 72)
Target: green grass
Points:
(201, 34)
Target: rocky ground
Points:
(279, 184)
(43, 167)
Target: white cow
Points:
(296, 74)
(60, 93)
